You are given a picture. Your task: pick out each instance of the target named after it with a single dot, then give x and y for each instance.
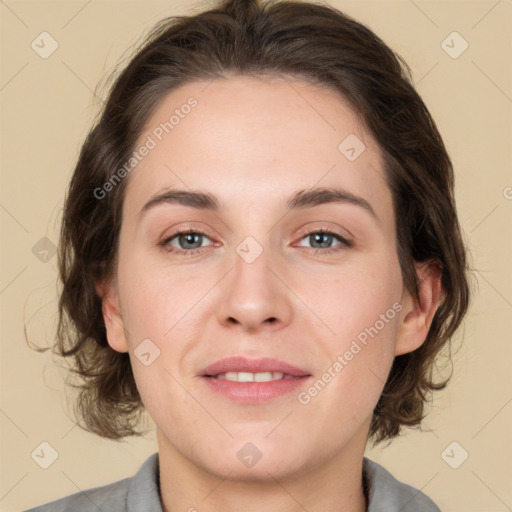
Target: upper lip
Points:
(244, 364)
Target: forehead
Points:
(242, 137)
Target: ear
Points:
(418, 313)
(114, 324)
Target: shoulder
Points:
(110, 497)
(120, 496)
(387, 494)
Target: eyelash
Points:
(344, 243)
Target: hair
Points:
(318, 44)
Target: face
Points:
(261, 331)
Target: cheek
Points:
(358, 362)
(156, 299)
(353, 299)
(362, 311)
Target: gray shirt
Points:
(141, 493)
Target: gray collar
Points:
(383, 491)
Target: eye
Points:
(187, 242)
(323, 239)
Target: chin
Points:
(255, 459)
(267, 469)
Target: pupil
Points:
(318, 237)
(189, 238)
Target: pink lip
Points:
(243, 364)
(253, 392)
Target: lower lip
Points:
(255, 392)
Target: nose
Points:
(255, 297)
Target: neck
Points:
(335, 486)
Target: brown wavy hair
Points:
(313, 42)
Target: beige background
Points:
(47, 106)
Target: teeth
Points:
(252, 377)
(267, 376)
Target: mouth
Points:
(253, 381)
(252, 377)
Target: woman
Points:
(260, 248)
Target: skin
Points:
(253, 143)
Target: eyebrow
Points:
(298, 201)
